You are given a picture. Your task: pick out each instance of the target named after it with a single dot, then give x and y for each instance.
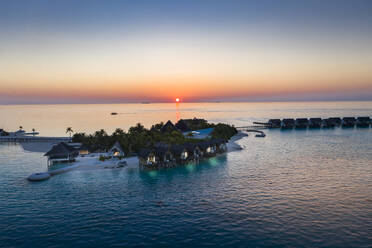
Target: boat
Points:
(39, 176)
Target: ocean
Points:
(293, 188)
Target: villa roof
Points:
(168, 127)
(204, 145)
(161, 151)
(117, 146)
(364, 118)
(349, 118)
(144, 152)
(60, 149)
(178, 149)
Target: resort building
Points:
(82, 149)
(166, 156)
(61, 153)
(116, 150)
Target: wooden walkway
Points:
(17, 139)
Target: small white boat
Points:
(39, 176)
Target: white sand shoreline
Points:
(91, 162)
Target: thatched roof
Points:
(144, 152)
(61, 149)
(168, 127)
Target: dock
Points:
(18, 139)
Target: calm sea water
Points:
(307, 188)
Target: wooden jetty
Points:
(18, 139)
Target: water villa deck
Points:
(302, 123)
(167, 156)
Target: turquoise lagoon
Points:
(293, 188)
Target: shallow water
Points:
(299, 188)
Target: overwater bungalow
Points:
(288, 123)
(328, 123)
(156, 158)
(363, 121)
(301, 123)
(348, 122)
(221, 146)
(336, 121)
(194, 150)
(116, 150)
(274, 123)
(181, 153)
(315, 122)
(208, 148)
(61, 153)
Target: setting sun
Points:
(177, 99)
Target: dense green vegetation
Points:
(139, 137)
(223, 131)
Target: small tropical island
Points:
(161, 146)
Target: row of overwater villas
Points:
(319, 122)
(166, 156)
(68, 152)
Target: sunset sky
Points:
(204, 50)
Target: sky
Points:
(205, 50)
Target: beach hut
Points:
(315, 122)
(116, 150)
(60, 153)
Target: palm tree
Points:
(69, 131)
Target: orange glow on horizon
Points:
(177, 99)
